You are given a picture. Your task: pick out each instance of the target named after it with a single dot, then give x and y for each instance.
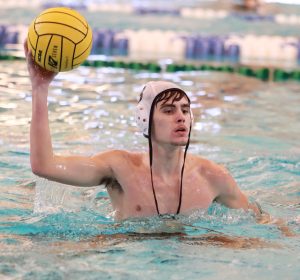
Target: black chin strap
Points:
(181, 175)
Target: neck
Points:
(167, 159)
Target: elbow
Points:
(38, 169)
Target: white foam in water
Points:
(52, 197)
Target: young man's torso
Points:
(132, 195)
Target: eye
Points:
(168, 110)
(185, 111)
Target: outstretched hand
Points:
(38, 75)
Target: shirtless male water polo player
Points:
(166, 180)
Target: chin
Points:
(180, 142)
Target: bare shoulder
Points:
(204, 164)
(212, 171)
(220, 180)
(118, 157)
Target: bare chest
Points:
(142, 198)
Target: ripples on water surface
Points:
(51, 231)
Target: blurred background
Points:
(219, 32)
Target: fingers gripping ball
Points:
(60, 39)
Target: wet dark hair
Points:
(174, 95)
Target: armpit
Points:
(111, 183)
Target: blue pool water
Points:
(53, 231)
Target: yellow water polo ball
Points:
(60, 39)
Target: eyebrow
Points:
(186, 105)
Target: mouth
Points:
(181, 129)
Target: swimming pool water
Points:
(53, 231)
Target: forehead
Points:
(172, 97)
(183, 101)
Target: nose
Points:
(180, 117)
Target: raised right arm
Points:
(74, 170)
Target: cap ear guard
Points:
(141, 118)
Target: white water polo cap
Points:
(150, 91)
